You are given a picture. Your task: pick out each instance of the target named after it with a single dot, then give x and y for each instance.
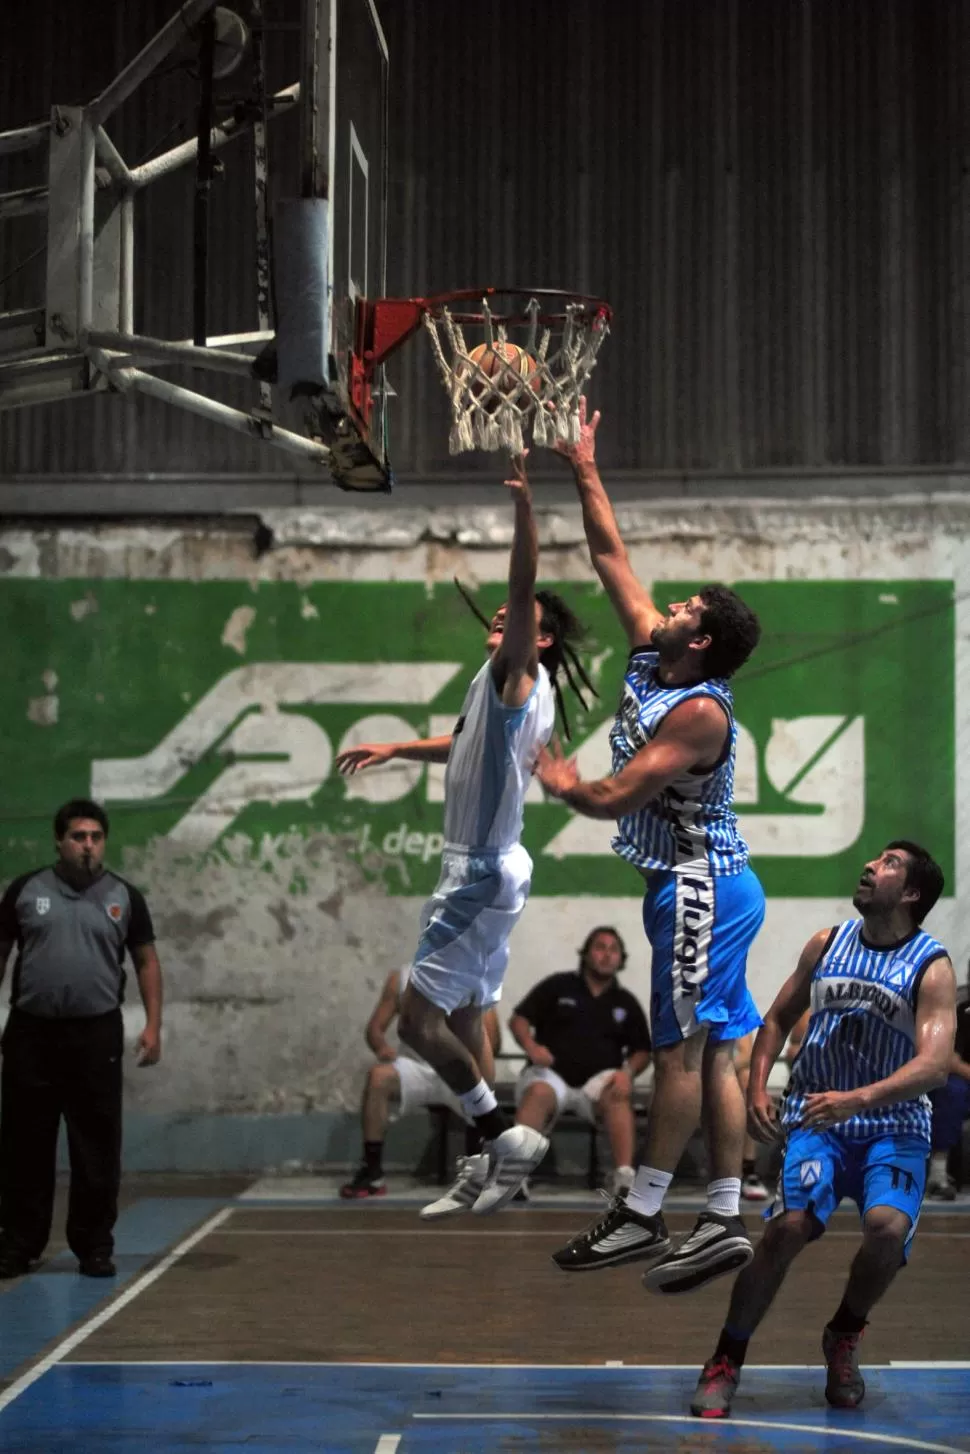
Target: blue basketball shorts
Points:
(820, 1168)
(700, 927)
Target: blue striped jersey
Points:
(862, 1029)
(493, 752)
(691, 823)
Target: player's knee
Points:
(885, 1227)
(619, 1089)
(383, 1080)
(787, 1235)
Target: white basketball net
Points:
(499, 410)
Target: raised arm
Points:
(631, 601)
(790, 1003)
(372, 754)
(515, 664)
(936, 1022)
(691, 736)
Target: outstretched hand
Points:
(368, 754)
(519, 483)
(556, 772)
(583, 452)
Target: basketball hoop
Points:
(540, 349)
(514, 367)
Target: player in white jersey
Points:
(671, 794)
(507, 716)
(882, 995)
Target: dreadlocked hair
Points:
(559, 622)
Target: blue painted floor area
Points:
(40, 1308)
(352, 1409)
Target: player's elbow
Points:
(937, 1075)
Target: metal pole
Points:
(148, 349)
(85, 291)
(126, 288)
(186, 151)
(203, 184)
(261, 176)
(111, 157)
(24, 138)
(145, 62)
(126, 378)
(318, 58)
(23, 202)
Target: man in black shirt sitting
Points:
(587, 1041)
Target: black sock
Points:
(748, 1167)
(846, 1321)
(492, 1124)
(731, 1346)
(473, 1140)
(373, 1154)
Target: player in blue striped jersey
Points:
(856, 1115)
(671, 793)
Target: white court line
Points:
(387, 1444)
(827, 1430)
(930, 1364)
(68, 1344)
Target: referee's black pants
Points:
(54, 1068)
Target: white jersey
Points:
(493, 752)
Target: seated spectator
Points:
(400, 1083)
(587, 1041)
(753, 1188)
(951, 1107)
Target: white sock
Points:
(938, 1167)
(724, 1196)
(649, 1190)
(478, 1102)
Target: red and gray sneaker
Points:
(845, 1387)
(716, 1388)
(362, 1184)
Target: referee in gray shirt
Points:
(64, 1040)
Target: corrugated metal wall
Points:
(774, 194)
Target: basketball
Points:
(502, 362)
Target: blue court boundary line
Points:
(42, 1307)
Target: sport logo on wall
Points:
(213, 709)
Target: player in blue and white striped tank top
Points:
(692, 819)
(863, 1029)
(670, 794)
(883, 1014)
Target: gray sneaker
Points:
(512, 1157)
(845, 1387)
(461, 1197)
(716, 1388)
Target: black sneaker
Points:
(620, 1235)
(717, 1245)
(362, 1184)
(99, 1264)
